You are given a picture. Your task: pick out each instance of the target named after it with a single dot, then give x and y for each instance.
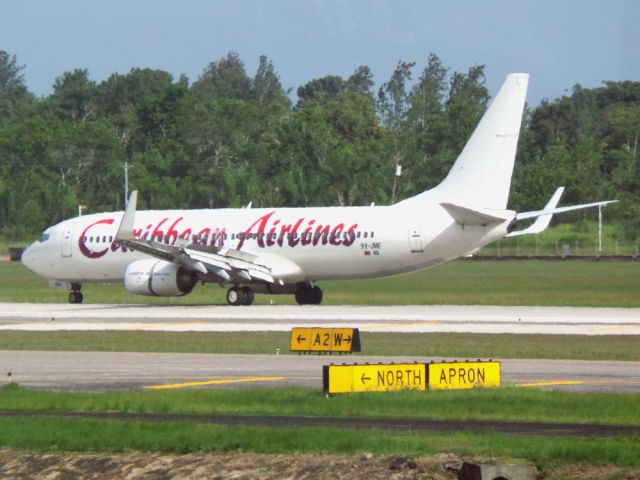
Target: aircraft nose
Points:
(29, 257)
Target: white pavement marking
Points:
(464, 319)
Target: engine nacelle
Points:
(158, 278)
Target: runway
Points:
(463, 319)
(101, 371)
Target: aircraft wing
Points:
(227, 264)
(543, 217)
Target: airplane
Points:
(289, 250)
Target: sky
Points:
(560, 43)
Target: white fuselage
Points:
(297, 246)
(325, 242)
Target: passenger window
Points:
(366, 234)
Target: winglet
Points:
(125, 231)
(543, 221)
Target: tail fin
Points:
(481, 176)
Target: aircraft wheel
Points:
(247, 296)
(233, 296)
(308, 295)
(75, 297)
(316, 295)
(302, 295)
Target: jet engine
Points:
(158, 278)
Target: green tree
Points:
(320, 90)
(75, 96)
(393, 96)
(326, 89)
(361, 80)
(14, 97)
(431, 156)
(465, 105)
(267, 89)
(224, 79)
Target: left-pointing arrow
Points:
(364, 378)
(301, 339)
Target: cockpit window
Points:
(44, 237)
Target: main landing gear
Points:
(76, 295)
(240, 296)
(307, 294)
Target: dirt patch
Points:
(596, 472)
(245, 466)
(223, 466)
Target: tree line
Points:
(230, 138)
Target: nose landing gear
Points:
(76, 295)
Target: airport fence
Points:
(533, 246)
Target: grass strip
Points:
(533, 282)
(504, 404)
(429, 345)
(85, 435)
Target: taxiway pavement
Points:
(467, 319)
(99, 371)
(113, 371)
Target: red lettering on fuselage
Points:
(267, 231)
(82, 242)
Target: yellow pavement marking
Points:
(215, 382)
(552, 383)
(622, 328)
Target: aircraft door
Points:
(415, 241)
(67, 240)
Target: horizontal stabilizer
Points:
(468, 217)
(543, 217)
(551, 211)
